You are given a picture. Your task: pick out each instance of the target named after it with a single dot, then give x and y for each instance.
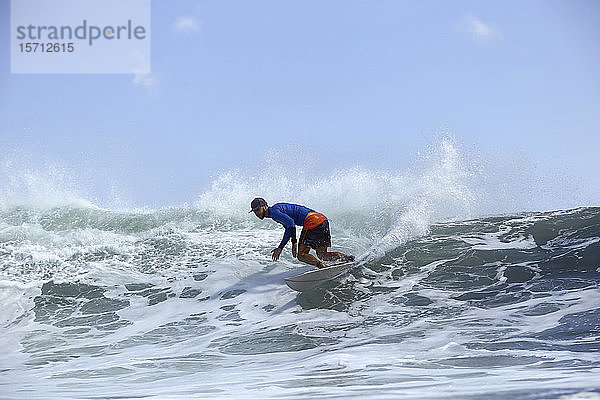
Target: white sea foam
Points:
(493, 241)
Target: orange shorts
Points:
(316, 231)
(313, 219)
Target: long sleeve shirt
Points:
(289, 215)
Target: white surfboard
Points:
(311, 279)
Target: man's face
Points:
(260, 212)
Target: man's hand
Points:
(276, 253)
(295, 250)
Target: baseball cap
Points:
(257, 203)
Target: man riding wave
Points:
(315, 232)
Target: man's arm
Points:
(292, 234)
(288, 224)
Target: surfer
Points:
(315, 232)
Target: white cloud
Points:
(480, 30)
(147, 81)
(144, 80)
(187, 24)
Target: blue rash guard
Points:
(289, 215)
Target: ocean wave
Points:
(122, 301)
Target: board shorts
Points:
(315, 233)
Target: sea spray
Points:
(389, 208)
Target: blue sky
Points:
(350, 82)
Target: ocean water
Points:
(184, 302)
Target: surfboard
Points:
(311, 279)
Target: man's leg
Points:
(325, 255)
(304, 256)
